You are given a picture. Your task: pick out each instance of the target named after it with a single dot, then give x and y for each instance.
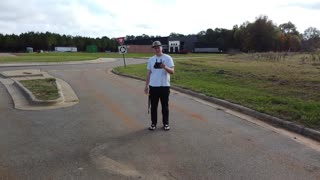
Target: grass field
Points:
(287, 88)
(79, 56)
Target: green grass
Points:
(78, 56)
(286, 89)
(42, 89)
(52, 57)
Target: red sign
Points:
(120, 40)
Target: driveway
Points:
(105, 136)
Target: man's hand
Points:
(162, 65)
(146, 90)
(166, 68)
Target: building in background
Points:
(144, 45)
(91, 48)
(201, 47)
(29, 49)
(174, 47)
(177, 44)
(65, 49)
(182, 44)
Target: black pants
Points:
(155, 94)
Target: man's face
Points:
(158, 49)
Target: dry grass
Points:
(285, 88)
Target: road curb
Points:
(24, 99)
(274, 121)
(33, 100)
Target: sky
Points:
(118, 18)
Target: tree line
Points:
(48, 41)
(262, 35)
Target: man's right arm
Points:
(146, 89)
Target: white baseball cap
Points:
(156, 44)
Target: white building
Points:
(174, 46)
(66, 49)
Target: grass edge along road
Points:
(74, 56)
(287, 88)
(54, 57)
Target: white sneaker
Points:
(166, 127)
(152, 127)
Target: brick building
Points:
(144, 45)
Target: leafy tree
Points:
(173, 34)
(241, 37)
(130, 37)
(288, 28)
(290, 39)
(1, 42)
(221, 38)
(311, 33)
(262, 34)
(202, 33)
(311, 39)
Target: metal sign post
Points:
(124, 60)
(123, 50)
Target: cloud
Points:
(143, 26)
(65, 17)
(311, 6)
(96, 18)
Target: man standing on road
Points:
(160, 66)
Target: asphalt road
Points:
(105, 136)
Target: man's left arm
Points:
(169, 68)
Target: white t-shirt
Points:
(160, 77)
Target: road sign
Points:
(122, 49)
(120, 40)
